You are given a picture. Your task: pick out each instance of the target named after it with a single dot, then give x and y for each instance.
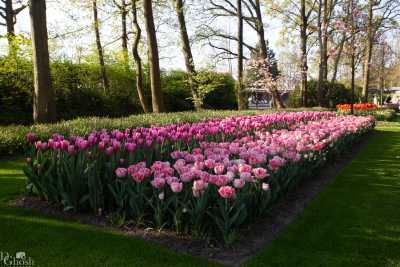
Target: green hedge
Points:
(12, 137)
(333, 93)
(79, 93)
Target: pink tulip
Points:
(138, 177)
(39, 145)
(101, 145)
(71, 150)
(199, 165)
(119, 135)
(199, 185)
(109, 151)
(176, 187)
(171, 179)
(227, 192)
(196, 193)
(187, 176)
(260, 173)
(276, 162)
(116, 145)
(30, 137)
(209, 163)
(219, 168)
(83, 144)
(158, 183)
(244, 168)
(65, 144)
(120, 172)
(239, 183)
(130, 147)
(230, 175)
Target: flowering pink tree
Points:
(262, 74)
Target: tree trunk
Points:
(260, 30)
(104, 77)
(381, 73)
(9, 14)
(239, 85)
(338, 57)
(304, 65)
(124, 36)
(138, 60)
(155, 76)
(368, 53)
(352, 63)
(44, 109)
(187, 52)
(325, 24)
(277, 100)
(9, 18)
(352, 57)
(321, 36)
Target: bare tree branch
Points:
(18, 10)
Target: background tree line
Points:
(328, 41)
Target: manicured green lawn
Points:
(52, 242)
(355, 221)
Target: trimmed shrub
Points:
(333, 94)
(177, 95)
(79, 92)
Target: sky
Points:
(70, 34)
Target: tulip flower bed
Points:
(357, 106)
(205, 179)
(367, 109)
(12, 137)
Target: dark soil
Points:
(257, 235)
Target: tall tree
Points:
(9, 16)
(239, 86)
(368, 51)
(381, 71)
(262, 44)
(351, 12)
(297, 17)
(260, 27)
(324, 13)
(381, 15)
(338, 55)
(155, 74)
(44, 109)
(137, 58)
(252, 16)
(187, 51)
(123, 10)
(96, 27)
(304, 18)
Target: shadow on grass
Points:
(355, 221)
(51, 242)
